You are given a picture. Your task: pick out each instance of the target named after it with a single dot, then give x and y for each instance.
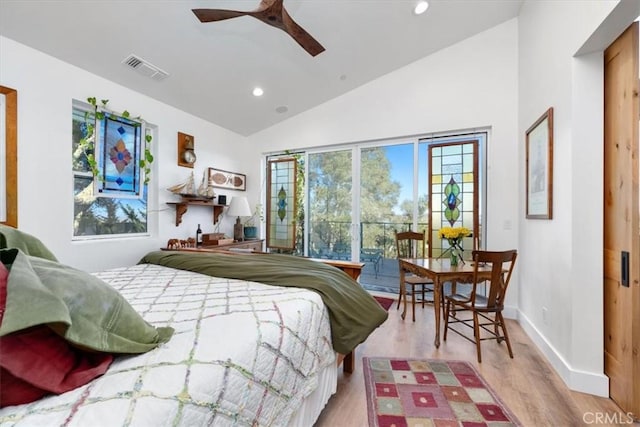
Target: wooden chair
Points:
(411, 244)
(480, 306)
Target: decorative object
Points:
(454, 236)
(281, 203)
(222, 199)
(205, 190)
(187, 188)
(173, 244)
(92, 120)
(186, 150)
(539, 174)
(430, 392)
(215, 239)
(238, 207)
(386, 303)
(250, 227)
(226, 179)
(210, 193)
(454, 259)
(9, 180)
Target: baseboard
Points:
(577, 380)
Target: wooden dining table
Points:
(440, 271)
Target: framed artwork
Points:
(9, 156)
(229, 180)
(539, 174)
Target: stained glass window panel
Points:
(119, 160)
(281, 203)
(453, 180)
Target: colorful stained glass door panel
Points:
(281, 203)
(453, 181)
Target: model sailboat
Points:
(187, 188)
(203, 188)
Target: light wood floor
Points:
(527, 384)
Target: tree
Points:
(330, 194)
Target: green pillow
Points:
(85, 310)
(30, 245)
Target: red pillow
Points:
(36, 361)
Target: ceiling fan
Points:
(270, 12)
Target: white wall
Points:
(561, 262)
(472, 84)
(46, 88)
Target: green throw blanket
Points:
(353, 313)
(82, 308)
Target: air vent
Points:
(145, 68)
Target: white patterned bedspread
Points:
(243, 354)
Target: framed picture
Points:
(540, 167)
(229, 180)
(9, 152)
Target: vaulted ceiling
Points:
(213, 67)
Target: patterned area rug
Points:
(384, 302)
(408, 392)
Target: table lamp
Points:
(238, 207)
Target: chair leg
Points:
(423, 295)
(399, 297)
(504, 331)
(446, 309)
(413, 302)
(476, 333)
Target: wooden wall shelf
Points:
(181, 208)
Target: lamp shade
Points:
(239, 206)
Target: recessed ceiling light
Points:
(421, 7)
(258, 91)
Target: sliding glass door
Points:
(386, 205)
(330, 207)
(358, 197)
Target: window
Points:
(101, 214)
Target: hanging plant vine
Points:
(88, 142)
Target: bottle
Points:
(198, 236)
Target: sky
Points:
(401, 159)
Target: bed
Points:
(242, 352)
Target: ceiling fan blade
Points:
(300, 35)
(271, 12)
(212, 15)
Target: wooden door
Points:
(621, 225)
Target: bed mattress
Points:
(243, 353)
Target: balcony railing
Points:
(332, 239)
